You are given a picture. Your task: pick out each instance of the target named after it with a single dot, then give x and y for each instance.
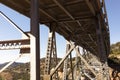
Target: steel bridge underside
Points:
(75, 20)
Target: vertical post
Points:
(65, 74)
(101, 47)
(76, 67)
(71, 66)
(55, 55)
(51, 56)
(34, 42)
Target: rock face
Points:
(114, 74)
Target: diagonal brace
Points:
(87, 65)
(60, 63)
(13, 24)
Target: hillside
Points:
(115, 52)
(114, 61)
(17, 71)
(20, 71)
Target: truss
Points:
(91, 44)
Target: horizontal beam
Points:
(25, 51)
(15, 44)
(64, 9)
(22, 41)
(90, 7)
(68, 20)
(66, 4)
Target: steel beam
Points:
(87, 65)
(66, 4)
(90, 6)
(63, 9)
(70, 15)
(34, 42)
(71, 66)
(76, 66)
(51, 54)
(15, 44)
(56, 77)
(65, 71)
(13, 24)
(100, 42)
(67, 19)
(101, 47)
(107, 26)
(47, 14)
(60, 63)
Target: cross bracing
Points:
(82, 22)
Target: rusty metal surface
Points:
(76, 19)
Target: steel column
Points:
(65, 74)
(76, 67)
(34, 42)
(55, 56)
(101, 47)
(71, 66)
(51, 55)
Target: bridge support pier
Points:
(65, 68)
(34, 42)
(87, 68)
(101, 50)
(51, 56)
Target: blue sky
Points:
(8, 32)
(114, 19)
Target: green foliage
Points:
(115, 52)
(21, 76)
(1, 78)
(18, 71)
(115, 48)
(114, 59)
